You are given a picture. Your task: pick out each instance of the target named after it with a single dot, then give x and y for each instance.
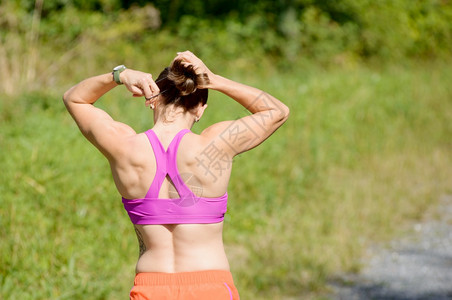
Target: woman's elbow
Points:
(285, 112)
(66, 96)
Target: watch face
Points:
(118, 67)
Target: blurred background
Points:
(365, 154)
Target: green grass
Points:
(365, 151)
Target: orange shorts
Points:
(199, 285)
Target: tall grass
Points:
(366, 151)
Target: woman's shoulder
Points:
(224, 136)
(132, 147)
(209, 139)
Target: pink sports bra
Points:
(188, 209)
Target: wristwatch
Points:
(116, 71)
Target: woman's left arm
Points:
(97, 125)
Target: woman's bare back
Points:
(173, 248)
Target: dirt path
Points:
(417, 267)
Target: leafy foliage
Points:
(313, 28)
(47, 37)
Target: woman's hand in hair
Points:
(140, 84)
(189, 59)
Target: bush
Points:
(49, 44)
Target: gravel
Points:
(416, 267)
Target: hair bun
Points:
(182, 86)
(184, 78)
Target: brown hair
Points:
(178, 85)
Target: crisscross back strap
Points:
(171, 163)
(166, 163)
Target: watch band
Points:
(116, 71)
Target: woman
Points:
(174, 182)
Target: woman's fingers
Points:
(155, 89)
(142, 84)
(186, 56)
(146, 87)
(189, 59)
(136, 91)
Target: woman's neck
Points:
(172, 120)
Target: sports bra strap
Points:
(166, 162)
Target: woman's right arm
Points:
(268, 113)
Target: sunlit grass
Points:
(365, 151)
